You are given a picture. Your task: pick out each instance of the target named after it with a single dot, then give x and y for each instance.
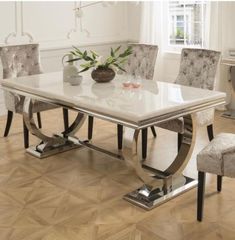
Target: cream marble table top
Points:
(135, 106)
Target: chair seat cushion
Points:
(215, 157)
(175, 125)
(37, 106)
(202, 118)
(15, 102)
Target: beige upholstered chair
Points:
(197, 69)
(140, 63)
(17, 61)
(218, 157)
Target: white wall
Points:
(54, 24)
(55, 27)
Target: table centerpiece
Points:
(103, 70)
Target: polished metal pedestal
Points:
(158, 186)
(52, 150)
(159, 195)
(50, 145)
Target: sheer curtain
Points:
(151, 30)
(213, 26)
(219, 18)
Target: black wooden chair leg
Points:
(39, 120)
(200, 195)
(90, 127)
(180, 139)
(120, 136)
(153, 131)
(66, 118)
(210, 132)
(26, 135)
(144, 142)
(8, 124)
(219, 183)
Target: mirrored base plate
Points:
(53, 150)
(180, 185)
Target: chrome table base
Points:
(52, 150)
(158, 186)
(159, 196)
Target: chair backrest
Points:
(198, 68)
(142, 62)
(20, 60)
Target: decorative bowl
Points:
(102, 75)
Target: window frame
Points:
(176, 48)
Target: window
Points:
(186, 23)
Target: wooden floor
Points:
(77, 195)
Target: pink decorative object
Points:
(131, 85)
(135, 85)
(126, 84)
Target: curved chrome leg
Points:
(162, 186)
(49, 144)
(133, 161)
(186, 148)
(76, 125)
(31, 125)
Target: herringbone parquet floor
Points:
(77, 195)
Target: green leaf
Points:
(73, 52)
(117, 49)
(83, 70)
(94, 55)
(112, 52)
(85, 65)
(109, 59)
(74, 60)
(77, 50)
(88, 58)
(126, 53)
(119, 67)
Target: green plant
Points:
(93, 60)
(179, 33)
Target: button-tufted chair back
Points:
(142, 61)
(198, 68)
(20, 60)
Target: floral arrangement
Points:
(93, 60)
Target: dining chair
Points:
(140, 63)
(218, 158)
(22, 60)
(197, 69)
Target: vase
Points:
(102, 75)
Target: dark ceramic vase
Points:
(103, 75)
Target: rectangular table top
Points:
(150, 101)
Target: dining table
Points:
(152, 103)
